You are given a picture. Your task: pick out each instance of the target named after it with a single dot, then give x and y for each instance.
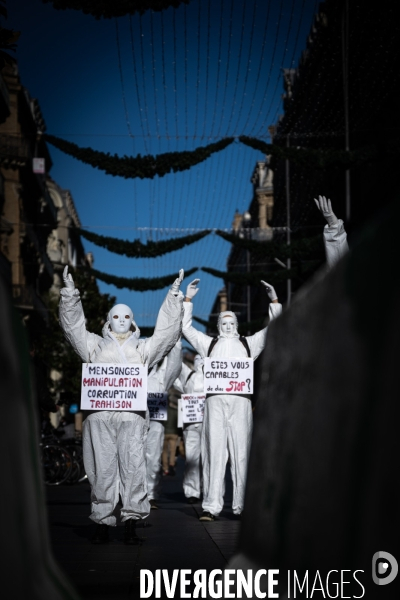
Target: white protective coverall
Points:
(192, 382)
(113, 442)
(160, 380)
(228, 418)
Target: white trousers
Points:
(114, 459)
(227, 430)
(154, 447)
(192, 475)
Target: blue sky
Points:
(162, 82)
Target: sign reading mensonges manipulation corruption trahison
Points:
(107, 386)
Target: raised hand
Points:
(67, 278)
(325, 208)
(270, 291)
(192, 289)
(177, 283)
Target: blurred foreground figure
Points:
(228, 418)
(114, 441)
(192, 382)
(322, 490)
(28, 568)
(160, 380)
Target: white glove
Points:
(324, 206)
(68, 281)
(175, 286)
(270, 291)
(191, 289)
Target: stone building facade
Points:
(37, 216)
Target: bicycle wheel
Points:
(75, 452)
(57, 464)
(51, 464)
(78, 455)
(75, 473)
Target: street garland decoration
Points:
(139, 284)
(117, 8)
(147, 166)
(315, 158)
(137, 249)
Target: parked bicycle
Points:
(62, 459)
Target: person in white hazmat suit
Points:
(113, 441)
(192, 382)
(228, 418)
(160, 379)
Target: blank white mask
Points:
(120, 317)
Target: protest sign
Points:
(108, 386)
(192, 408)
(228, 375)
(157, 403)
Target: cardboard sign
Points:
(107, 386)
(228, 375)
(157, 403)
(193, 408)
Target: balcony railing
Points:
(13, 150)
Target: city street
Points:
(174, 538)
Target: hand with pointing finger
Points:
(67, 278)
(270, 291)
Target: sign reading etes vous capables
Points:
(228, 375)
(193, 407)
(107, 386)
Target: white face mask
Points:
(228, 327)
(120, 317)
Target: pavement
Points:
(173, 538)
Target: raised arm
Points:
(257, 341)
(199, 340)
(174, 365)
(72, 320)
(168, 326)
(335, 237)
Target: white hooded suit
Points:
(228, 418)
(113, 442)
